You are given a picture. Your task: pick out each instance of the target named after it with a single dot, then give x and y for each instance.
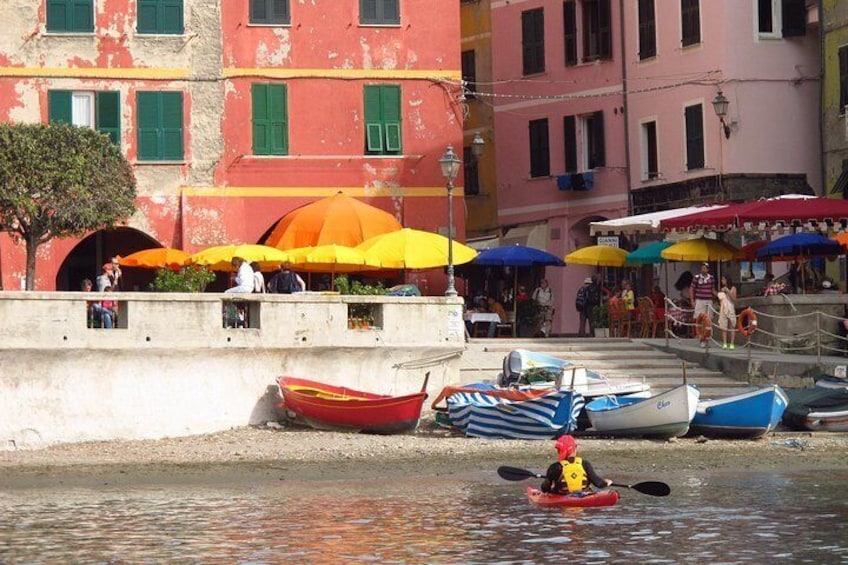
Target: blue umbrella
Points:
(806, 244)
(516, 256)
(648, 254)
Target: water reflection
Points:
(747, 518)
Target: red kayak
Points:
(594, 499)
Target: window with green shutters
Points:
(694, 122)
(70, 16)
(160, 126)
(379, 12)
(75, 108)
(270, 119)
(160, 16)
(382, 120)
(269, 12)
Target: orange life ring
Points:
(703, 326)
(749, 317)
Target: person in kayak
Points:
(571, 474)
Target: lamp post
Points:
(720, 104)
(450, 168)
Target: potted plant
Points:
(528, 316)
(600, 320)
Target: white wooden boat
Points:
(663, 415)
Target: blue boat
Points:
(747, 415)
(543, 417)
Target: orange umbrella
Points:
(155, 258)
(339, 220)
(842, 238)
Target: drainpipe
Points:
(626, 109)
(822, 164)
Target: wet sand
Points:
(294, 453)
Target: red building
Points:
(234, 113)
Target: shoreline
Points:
(251, 454)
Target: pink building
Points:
(559, 129)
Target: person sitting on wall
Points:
(771, 287)
(244, 276)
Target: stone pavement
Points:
(716, 372)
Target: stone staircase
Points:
(620, 360)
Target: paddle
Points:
(652, 488)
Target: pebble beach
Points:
(290, 452)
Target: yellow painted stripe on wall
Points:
(95, 72)
(387, 74)
(316, 191)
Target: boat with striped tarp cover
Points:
(542, 415)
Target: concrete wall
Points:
(173, 369)
(797, 323)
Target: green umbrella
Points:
(648, 254)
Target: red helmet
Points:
(566, 446)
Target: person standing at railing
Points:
(727, 312)
(701, 293)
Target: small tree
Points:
(59, 180)
(194, 278)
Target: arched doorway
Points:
(87, 258)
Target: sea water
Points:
(716, 517)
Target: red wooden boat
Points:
(591, 500)
(327, 407)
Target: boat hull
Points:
(665, 415)
(817, 409)
(538, 417)
(747, 415)
(328, 407)
(593, 500)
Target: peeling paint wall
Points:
(221, 193)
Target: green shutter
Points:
(146, 16)
(70, 15)
(373, 120)
(390, 101)
(147, 108)
(59, 106)
(108, 119)
(172, 17)
(172, 126)
(391, 12)
(278, 118)
(368, 12)
(261, 124)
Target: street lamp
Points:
(477, 145)
(450, 168)
(720, 104)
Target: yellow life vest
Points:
(574, 475)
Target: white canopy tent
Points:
(644, 223)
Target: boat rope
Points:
(428, 361)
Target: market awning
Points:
(528, 235)
(481, 243)
(644, 223)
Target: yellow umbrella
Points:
(218, 258)
(330, 258)
(701, 249)
(155, 258)
(413, 249)
(597, 256)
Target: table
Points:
(475, 318)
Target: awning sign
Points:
(608, 240)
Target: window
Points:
(593, 129)
(270, 119)
(469, 72)
(843, 78)
(382, 120)
(533, 41)
(471, 172)
(597, 31)
(160, 16)
(694, 117)
(540, 160)
(569, 26)
(650, 159)
(569, 128)
(379, 12)
(647, 30)
(690, 13)
(781, 18)
(160, 126)
(70, 16)
(270, 12)
(97, 110)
